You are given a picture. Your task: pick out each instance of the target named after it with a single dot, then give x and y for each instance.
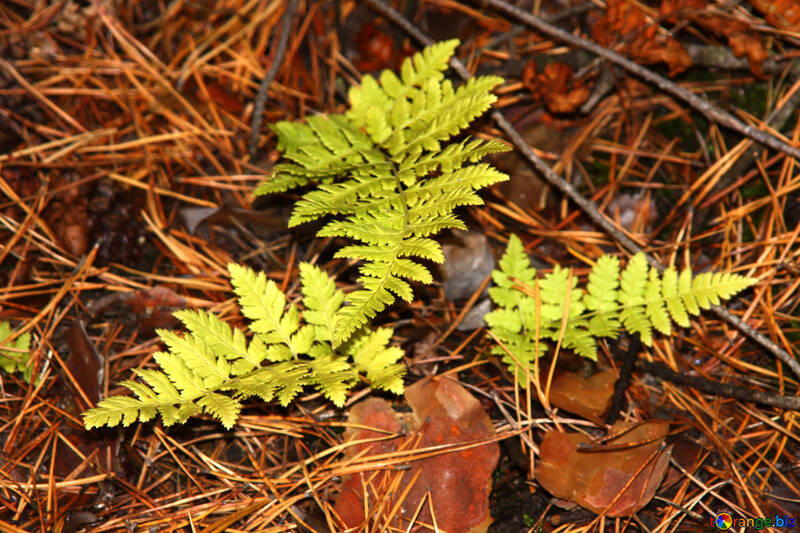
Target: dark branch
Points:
(261, 95)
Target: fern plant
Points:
(213, 366)
(14, 355)
(387, 175)
(637, 299)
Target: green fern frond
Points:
(15, 355)
(638, 299)
(376, 169)
(212, 367)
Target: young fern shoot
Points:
(387, 175)
(15, 355)
(637, 299)
(213, 367)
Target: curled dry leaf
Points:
(741, 39)
(376, 49)
(555, 87)
(625, 22)
(783, 14)
(457, 482)
(68, 217)
(613, 479)
(155, 307)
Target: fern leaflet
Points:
(14, 355)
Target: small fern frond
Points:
(638, 299)
(322, 301)
(212, 367)
(600, 296)
(223, 408)
(377, 167)
(15, 355)
(427, 65)
(372, 355)
(118, 409)
(263, 303)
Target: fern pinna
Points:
(385, 174)
(637, 299)
(213, 367)
(15, 355)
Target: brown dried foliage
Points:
(740, 37)
(624, 22)
(555, 86)
(783, 14)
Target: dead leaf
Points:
(555, 87)
(525, 187)
(85, 364)
(468, 261)
(783, 14)
(625, 22)
(605, 479)
(586, 397)
(158, 296)
(155, 308)
(741, 39)
(67, 215)
(457, 482)
(224, 98)
(269, 221)
(634, 212)
(375, 48)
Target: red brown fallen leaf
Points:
(458, 482)
(597, 479)
(586, 397)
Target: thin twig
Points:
(726, 390)
(588, 206)
(261, 95)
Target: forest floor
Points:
(127, 188)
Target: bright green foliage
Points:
(638, 299)
(14, 355)
(386, 172)
(213, 366)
